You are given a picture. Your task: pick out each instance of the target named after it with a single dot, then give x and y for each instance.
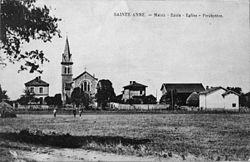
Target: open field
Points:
(210, 136)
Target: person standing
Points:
(74, 112)
(54, 112)
(80, 112)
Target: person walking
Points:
(54, 112)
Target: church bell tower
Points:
(66, 73)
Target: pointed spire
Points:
(66, 54)
(66, 49)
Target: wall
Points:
(229, 100)
(127, 94)
(66, 78)
(37, 91)
(202, 101)
(213, 100)
(91, 80)
(138, 106)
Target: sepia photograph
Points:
(124, 80)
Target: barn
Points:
(182, 90)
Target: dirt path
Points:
(76, 155)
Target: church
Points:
(85, 80)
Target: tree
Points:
(80, 97)
(170, 98)
(49, 100)
(3, 95)
(27, 97)
(150, 99)
(21, 22)
(193, 99)
(105, 92)
(235, 89)
(58, 100)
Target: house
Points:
(133, 90)
(181, 90)
(39, 87)
(219, 98)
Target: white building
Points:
(133, 90)
(39, 87)
(219, 98)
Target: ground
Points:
(143, 136)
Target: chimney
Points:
(207, 87)
(132, 82)
(39, 77)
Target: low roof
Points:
(210, 90)
(85, 72)
(183, 87)
(213, 89)
(134, 85)
(230, 92)
(36, 82)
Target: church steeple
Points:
(66, 73)
(66, 56)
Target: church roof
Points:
(85, 72)
(37, 82)
(66, 56)
(183, 87)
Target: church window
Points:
(85, 86)
(82, 87)
(88, 87)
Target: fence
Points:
(33, 107)
(119, 106)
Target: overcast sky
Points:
(149, 50)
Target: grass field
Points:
(211, 136)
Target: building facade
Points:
(87, 83)
(133, 90)
(38, 87)
(181, 90)
(219, 98)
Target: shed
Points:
(219, 98)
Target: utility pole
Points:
(172, 100)
(1, 21)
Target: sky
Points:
(149, 50)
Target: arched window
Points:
(88, 87)
(85, 86)
(82, 87)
